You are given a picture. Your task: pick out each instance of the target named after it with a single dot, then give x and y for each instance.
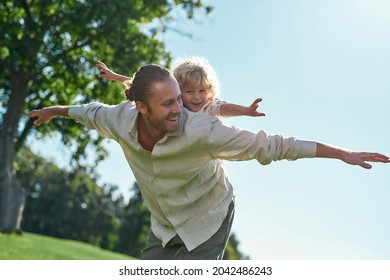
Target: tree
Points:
(47, 53)
(134, 225)
(67, 204)
(232, 252)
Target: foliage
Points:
(71, 205)
(67, 204)
(30, 246)
(232, 252)
(135, 224)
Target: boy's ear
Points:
(141, 107)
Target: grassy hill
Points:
(31, 246)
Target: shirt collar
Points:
(133, 121)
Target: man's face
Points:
(163, 107)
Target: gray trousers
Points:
(212, 249)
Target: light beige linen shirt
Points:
(182, 180)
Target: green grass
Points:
(31, 246)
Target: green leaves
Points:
(87, 211)
(4, 53)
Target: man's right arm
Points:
(105, 119)
(46, 114)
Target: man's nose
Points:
(177, 108)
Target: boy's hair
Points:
(195, 71)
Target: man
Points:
(176, 155)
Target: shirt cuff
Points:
(75, 112)
(309, 149)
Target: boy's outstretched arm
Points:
(232, 110)
(354, 158)
(46, 114)
(106, 73)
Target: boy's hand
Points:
(252, 109)
(105, 72)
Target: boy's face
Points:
(195, 97)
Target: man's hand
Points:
(46, 114)
(360, 158)
(354, 158)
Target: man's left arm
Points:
(350, 157)
(231, 143)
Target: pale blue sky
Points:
(322, 69)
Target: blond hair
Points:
(196, 71)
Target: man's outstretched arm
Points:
(350, 157)
(46, 114)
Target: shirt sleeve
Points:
(94, 116)
(230, 143)
(213, 107)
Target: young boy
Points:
(199, 87)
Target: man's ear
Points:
(141, 107)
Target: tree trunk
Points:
(12, 196)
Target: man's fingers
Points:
(380, 159)
(366, 165)
(376, 157)
(33, 113)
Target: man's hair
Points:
(196, 71)
(139, 88)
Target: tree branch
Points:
(23, 135)
(30, 22)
